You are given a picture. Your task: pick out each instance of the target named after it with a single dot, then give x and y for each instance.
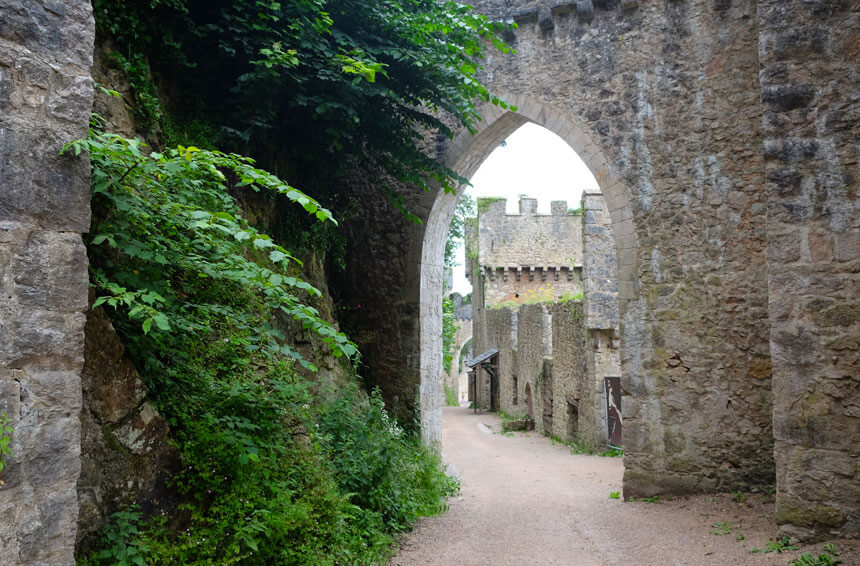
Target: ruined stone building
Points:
(723, 136)
(545, 305)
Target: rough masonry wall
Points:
(45, 101)
(573, 414)
(662, 101)
(498, 333)
(810, 78)
(528, 257)
(531, 336)
(599, 265)
(528, 238)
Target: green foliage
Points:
(451, 397)
(721, 529)
(275, 468)
(614, 495)
(828, 557)
(5, 440)
(567, 296)
(386, 472)
(457, 231)
(123, 544)
(449, 331)
(777, 546)
(170, 229)
(357, 78)
(484, 203)
(739, 497)
(612, 453)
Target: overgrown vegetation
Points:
(5, 441)
(457, 232)
(828, 557)
(359, 79)
(276, 468)
(776, 546)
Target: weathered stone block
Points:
(47, 272)
(44, 340)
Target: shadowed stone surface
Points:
(810, 77)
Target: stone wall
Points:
(126, 456)
(599, 264)
(662, 101)
(810, 89)
(528, 239)
(531, 336)
(574, 396)
(45, 101)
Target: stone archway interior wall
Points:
(661, 99)
(810, 80)
(45, 101)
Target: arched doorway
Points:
(465, 154)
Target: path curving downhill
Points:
(525, 500)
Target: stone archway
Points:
(465, 154)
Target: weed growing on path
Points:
(827, 558)
(614, 495)
(778, 546)
(721, 529)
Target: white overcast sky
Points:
(534, 162)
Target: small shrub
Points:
(739, 497)
(123, 545)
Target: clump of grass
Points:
(777, 546)
(829, 557)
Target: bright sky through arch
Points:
(534, 162)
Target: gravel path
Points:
(525, 500)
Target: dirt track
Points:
(525, 500)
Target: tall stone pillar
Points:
(45, 101)
(810, 91)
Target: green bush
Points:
(276, 469)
